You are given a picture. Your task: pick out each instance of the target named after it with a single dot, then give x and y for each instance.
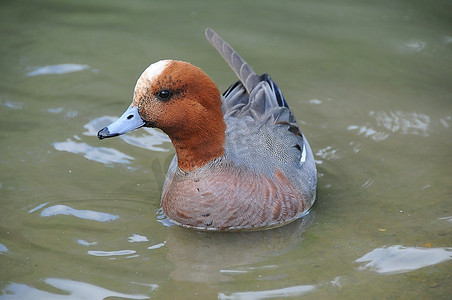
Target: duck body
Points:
(241, 161)
(260, 190)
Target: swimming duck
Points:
(241, 160)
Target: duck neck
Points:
(199, 144)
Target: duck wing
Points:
(253, 95)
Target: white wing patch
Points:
(303, 154)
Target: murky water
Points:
(370, 83)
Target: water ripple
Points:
(11, 104)
(447, 39)
(86, 243)
(449, 219)
(136, 238)
(393, 122)
(292, 291)
(100, 154)
(369, 132)
(111, 253)
(405, 123)
(163, 219)
(157, 246)
(315, 101)
(3, 249)
(57, 69)
(328, 153)
(82, 214)
(446, 122)
(150, 141)
(73, 290)
(398, 259)
(413, 46)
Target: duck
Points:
(241, 162)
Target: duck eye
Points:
(164, 94)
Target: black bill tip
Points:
(105, 133)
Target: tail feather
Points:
(241, 68)
(253, 95)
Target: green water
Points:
(370, 85)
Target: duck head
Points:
(182, 101)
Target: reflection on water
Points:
(11, 104)
(413, 46)
(3, 249)
(287, 292)
(100, 154)
(399, 259)
(149, 141)
(327, 153)
(191, 252)
(157, 246)
(292, 291)
(392, 122)
(111, 253)
(82, 214)
(446, 218)
(446, 122)
(136, 238)
(405, 123)
(85, 243)
(70, 290)
(369, 132)
(152, 139)
(315, 101)
(57, 69)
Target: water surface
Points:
(368, 82)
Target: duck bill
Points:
(129, 121)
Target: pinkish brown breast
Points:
(229, 198)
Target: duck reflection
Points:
(211, 256)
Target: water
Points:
(368, 82)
